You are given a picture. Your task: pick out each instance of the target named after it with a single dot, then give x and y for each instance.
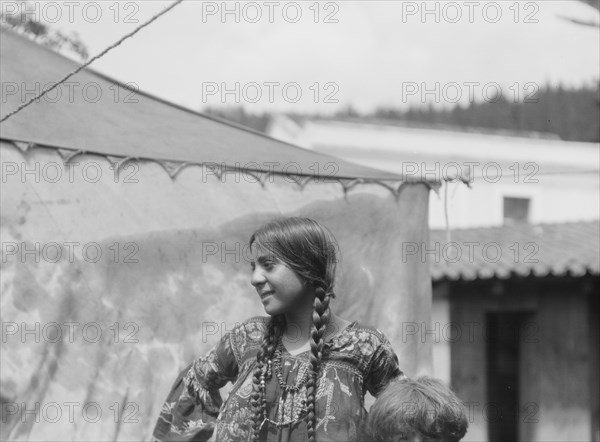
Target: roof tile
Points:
(519, 249)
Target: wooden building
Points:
(515, 328)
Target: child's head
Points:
(304, 245)
(417, 410)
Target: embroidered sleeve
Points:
(192, 406)
(382, 369)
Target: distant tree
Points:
(23, 23)
(570, 113)
(239, 115)
(348, 111)
(593, 4)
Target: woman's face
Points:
(280, 289)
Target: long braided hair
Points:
(309, 249)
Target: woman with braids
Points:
(299, 374)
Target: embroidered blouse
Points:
(357, 360)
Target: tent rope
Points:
(125, 37)
(447, 219)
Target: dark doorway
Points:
(594, 304)
(504, 334)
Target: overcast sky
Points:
(360, 53)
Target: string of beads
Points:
(288, 393)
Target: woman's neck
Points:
(297, 330)
(298, 327)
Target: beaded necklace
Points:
(288, 392)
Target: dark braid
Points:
(265, 353)
(320, 318)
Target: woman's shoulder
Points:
(247, 337)
(252, 329)
(370, 332)
(362, 339)
(376, 353)
(254, 322)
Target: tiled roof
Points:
(518, 250)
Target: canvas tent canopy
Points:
(124, 246)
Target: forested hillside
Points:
(569, 113)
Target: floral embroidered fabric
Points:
(357, 360)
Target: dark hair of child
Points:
(421, 409)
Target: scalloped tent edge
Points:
(173, 169)
(119, 131)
